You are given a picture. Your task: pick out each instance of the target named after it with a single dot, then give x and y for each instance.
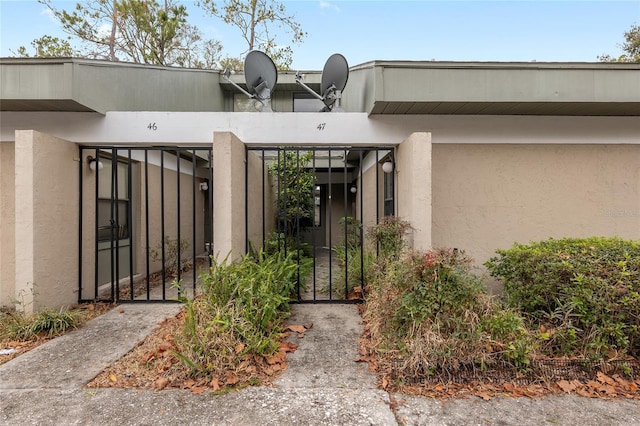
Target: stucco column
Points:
(413, 186)
(46, 221)
(229, 233)
(7, 223)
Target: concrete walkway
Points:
(322, 386)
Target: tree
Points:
(92, 22)
(234, 64)
(141, 31)
(294, 184)
(257, 21)
(47, 47)
(631, 47)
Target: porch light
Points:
(387, 166)
(354, 189)
(94, 164)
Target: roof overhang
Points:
(578, 89)
(81, 85)
(377, 88)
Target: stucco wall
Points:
(7, 219)
(368, 187)
(489, 196)
(171, 203)
(413, 187)
(336, 211)
(46, 226)
(229, 233)
(259, 184)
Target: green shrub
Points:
(49, 323)
(439, 285)
(352, 269)
(355, 266)
(243, 305)
(389, 236)
(584, 294)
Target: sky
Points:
(363, 30)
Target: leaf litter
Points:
(603, 386)
(153, 364)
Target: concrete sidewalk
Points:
(322, 386)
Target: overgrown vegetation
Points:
(16, 326)
(389, 236)
(581, 295)
(355, 265)
(239, 315)
(294, 184)
(428, 314)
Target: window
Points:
(107, 226)
(113, 218)
(304, 102)
(388, 194)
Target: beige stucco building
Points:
(483, 155)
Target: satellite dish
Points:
(334, 79)
(261, 76)
(260, 73)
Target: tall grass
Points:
(240, 312)
(48, 323)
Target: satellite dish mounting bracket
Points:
(261, 76)
(334, 80)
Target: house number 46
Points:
(152, 126)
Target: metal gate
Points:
(318, 203)
(145, 222)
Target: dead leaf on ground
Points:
(566, 386)
(231, 378)
(509, 387)
(148, 357)
(296, 328)
(215, 384)
(197, 390)
(484, 395)
(277, 358)
(113, 378)
(288, 346)
(603, 378)
(164, 346)
(385, 383)
(161, 383)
